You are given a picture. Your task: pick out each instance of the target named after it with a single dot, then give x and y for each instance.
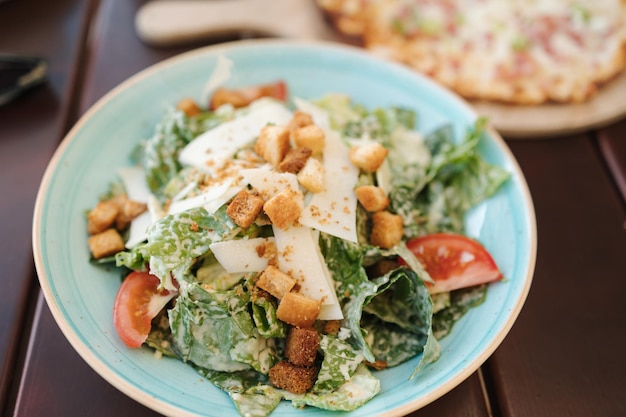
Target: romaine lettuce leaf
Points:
(460, 303)
(159, 154)
(214, 330)
(435, 198)
(339, 363)
(249, 390)
(176, 241)
(362, 387)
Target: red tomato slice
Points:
(137, 302)
(242, 97)
(454, 261)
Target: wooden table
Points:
(565, 356)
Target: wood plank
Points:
(59, 383)
(612, 143)
(565, 354)
(30, 129)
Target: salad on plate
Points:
(290, 249)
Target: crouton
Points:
(223, 96)
(332, 327)
(311, 176)
(378, 365)
(275, 281)
(188, 106)
(387, 229)
(102, 217)
(298, 120)
(372, 198)
(293, 378)
(284, 208)
(298, 310)
(294, 160)
(368, 157)
(244, 208)
(105, 243)
(130, 210)
(312, 137)
(273, 143)
(381, 268)
(301, 346)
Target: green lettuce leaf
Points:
(214, 330)
(435, 198)
(361, 387)
(460, 302)
(159, 154)
(339, 363)
(176, 241)
(249, 390)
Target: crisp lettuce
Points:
(159, 153)
(177, 241)
(435, 198)
(361, 388)
(214, 330)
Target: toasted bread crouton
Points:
(105, 243)
(301, 346)
(273, 143)
(102, 217)
(275, 281)
(294, 160)
(378, 365)
(298, 120)
(372, 198)
(284, 208)
(381, 268)
(387, 229)
(188, 106)
(368, 157)
(130, 210)
(223, 96)
(298, 310)
(311, 176)
(293, 378)
(244, 208)
(312, 137)
(332, 327)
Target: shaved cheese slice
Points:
(299, 255)
(219, 76)
(212, 199)
(211, 150)
(242, 255)
(268, 182)
(137, 189)
(333, 210)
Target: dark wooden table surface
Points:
(565, 356)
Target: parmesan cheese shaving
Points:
(211, 150)
(333, 210)
(137, 189)
(299, 256)
(244, 255)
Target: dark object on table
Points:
(18, 74)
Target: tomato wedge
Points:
(454, 261)
(242, 97)
(137, 302)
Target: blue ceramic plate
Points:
(81, 295)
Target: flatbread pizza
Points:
(513, 51)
